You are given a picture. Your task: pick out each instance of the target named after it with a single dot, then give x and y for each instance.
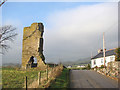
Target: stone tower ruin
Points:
(33, 46)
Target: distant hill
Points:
(11, 64)
(77, 62)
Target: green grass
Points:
(0, 77)
(15, 78)
(75, 68)
(62, 81)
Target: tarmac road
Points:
(90, 79)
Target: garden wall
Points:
(112, 70)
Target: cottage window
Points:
(94, 62)
(101, 60)
(111, 58)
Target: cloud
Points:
(73, 33)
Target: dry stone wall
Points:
(112, 70)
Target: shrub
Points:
(96, 67)
(88, 67)
(102, 66)
(117, 51)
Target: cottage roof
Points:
(107, 53)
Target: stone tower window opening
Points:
(35, 60)
(32, 62)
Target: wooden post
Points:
(39, 78)
(104, 49)
(26, 83)
(47, 72)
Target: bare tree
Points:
(2, 2)
(6, 34)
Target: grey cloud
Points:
(76, 32)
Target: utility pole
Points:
(104, 48)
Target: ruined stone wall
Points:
(33, 44)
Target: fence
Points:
(44, 79)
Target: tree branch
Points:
(3, 3)
(6, 34)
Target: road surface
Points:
(90, 79)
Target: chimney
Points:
(100, 50)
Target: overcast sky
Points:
(72, 30)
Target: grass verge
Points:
(62, 81)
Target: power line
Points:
(99, 37)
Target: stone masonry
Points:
(112, 70)
(33, 44)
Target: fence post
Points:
(26, 83)
(39, 78)
(47, 72)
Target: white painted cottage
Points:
(98, 60)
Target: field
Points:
(0, 77)
(15, 78)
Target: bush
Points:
(117, 51)
(88, 67)
(102, 66)
(96, 67)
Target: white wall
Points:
(100, 61)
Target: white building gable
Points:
(98, 60)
